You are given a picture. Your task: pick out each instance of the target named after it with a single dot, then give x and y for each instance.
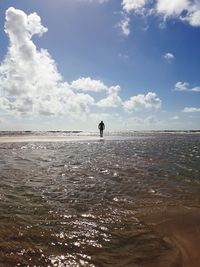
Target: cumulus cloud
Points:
(20, 27)
(150, 100)
(24, 66)
(29, 79)
(133, 5)
(168, 57)
(184, 86)
(112, 100)
(171, 8)
(31, 84)
(191, 109)
(194, 16)
(185, 10)
(88, 84)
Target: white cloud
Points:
(183, 10)
(150, 100)
(133, 5)
(20, 27)
(175, 9)
(168, 56)
(112, 100)
(124, 26)
(88, 84)
(194, 16)
(171, 8)
(184, 86)
(29, 79)
(181, 86)
(31, 85)
(191, 109)
(196, 89)
(25, 70)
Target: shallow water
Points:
(77, 203)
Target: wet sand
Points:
(53, 138)
(180, 228)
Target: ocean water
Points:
(78, 203)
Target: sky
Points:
(68, 64)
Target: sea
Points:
(78, 203)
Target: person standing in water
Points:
(101, 128)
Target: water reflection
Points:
(64, 204)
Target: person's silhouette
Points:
(101, 127)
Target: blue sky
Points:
(68, 64)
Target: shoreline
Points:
(36, 138)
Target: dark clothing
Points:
(101, 128)
(101, 133)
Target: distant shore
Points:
(71, 136)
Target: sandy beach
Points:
(40, 138)
(179, 227)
